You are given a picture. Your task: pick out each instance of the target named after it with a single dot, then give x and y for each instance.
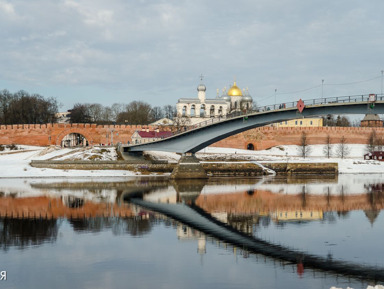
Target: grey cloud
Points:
(140, 47)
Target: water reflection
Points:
(240, 202)
(119, 226)
(33, 213)
(197, 218)
(24, 233)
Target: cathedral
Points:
(200, 108)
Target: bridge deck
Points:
(195, 138)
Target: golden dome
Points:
(234, 90)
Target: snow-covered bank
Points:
(353, 164)
(16, 163)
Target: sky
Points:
(118, 51)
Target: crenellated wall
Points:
(266, 137)
(52, 134)
(261, 138)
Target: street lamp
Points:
(322, 88)
(275, 94)
(382, 82)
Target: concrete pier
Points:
(189, 167)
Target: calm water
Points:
(93, 233)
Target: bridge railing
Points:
(276, 107)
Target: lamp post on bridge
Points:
(322, 88)
(275, 95)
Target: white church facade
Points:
(200, 108)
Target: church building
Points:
(200, 108)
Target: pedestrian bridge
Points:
(194, 138)
(195, 217)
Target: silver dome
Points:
(201, 87)
(247, 98)
(226, 98)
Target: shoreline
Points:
(212, 168)
(21, 163)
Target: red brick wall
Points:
(261, 138)
(266, 137)
(52, 134)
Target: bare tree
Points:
(372, 142)
(356, 123)
(327, 149)
(95, 111)
(79, 114)
(180, 123)
(107, 116)
(379, 143)
(23, 108)
(157, 113)
(136, 112)
(345, 122)
(116, 108)
(342, 149)
(169, 111)
(254, 106)
(304, 149)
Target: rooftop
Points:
(154, 134)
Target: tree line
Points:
(24, 108)
(136, 112)
(342, 149)
(342, 121)
(375, 142)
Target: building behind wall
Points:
(63, 117)
(371, 120)
(146, 135)
(200, 108)
(301, 122)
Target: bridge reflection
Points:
(217, 215)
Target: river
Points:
(223, 233)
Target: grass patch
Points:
(95, 157)
(11, 147)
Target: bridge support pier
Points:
(189, 167)
(188, 190)
(133, 157)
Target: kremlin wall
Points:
(261, 138)
(267, 137)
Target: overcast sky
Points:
(118, 51)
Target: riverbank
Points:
(224, 162)
(213, 169)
